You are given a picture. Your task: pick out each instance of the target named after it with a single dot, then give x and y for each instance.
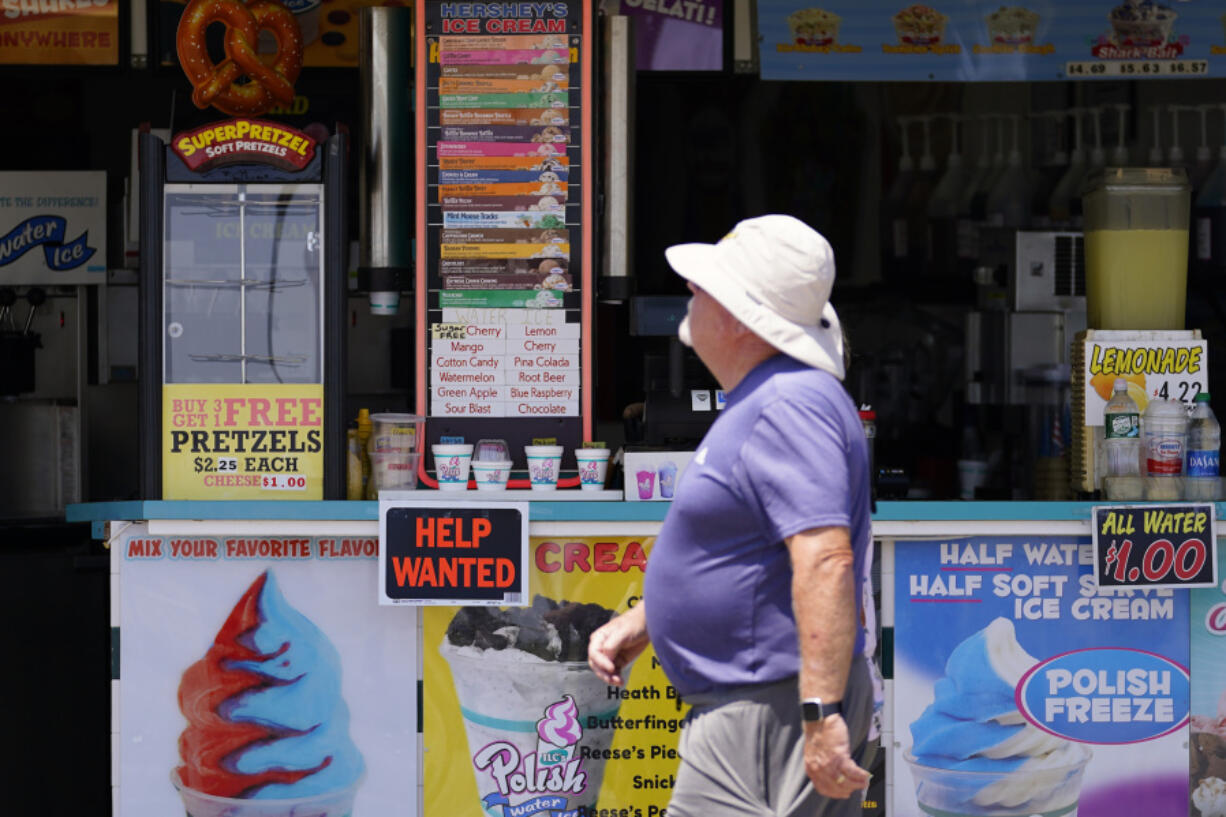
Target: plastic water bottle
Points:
(1204, 440)
(1122, 427)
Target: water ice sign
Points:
(452, 552)
(1155, 545)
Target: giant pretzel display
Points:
(218, 84)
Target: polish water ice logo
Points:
(449, 471)
(558, 732)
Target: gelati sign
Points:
(1155, 545)
(452, 552)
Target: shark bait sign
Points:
(52, 227)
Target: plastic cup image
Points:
(330, 804)
(544, 464)
(666, 473)
(1018, 793)
(593, 466)
(393, 471)
(646, 481)
(491, 451)
(491, 476)
(451, 464)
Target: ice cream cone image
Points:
(973, 753)
(267, 730)
(558, 732)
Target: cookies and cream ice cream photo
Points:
(1021, 688)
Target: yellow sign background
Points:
(66, 36)
(636, 787)
(292, 412)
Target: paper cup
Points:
(646, 482)
(330, 804)
(393, 471)
(593, 465)
(451, 463)
(544, 463)
(491, 476)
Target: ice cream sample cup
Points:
(337, 803)
(593, 467)
(530, 704)
(451, 463)
(491, 476)
(544, 464)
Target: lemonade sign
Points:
(1167, 370)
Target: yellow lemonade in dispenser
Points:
(1129, 283)
(1136, 248)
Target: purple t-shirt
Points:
(786, 454)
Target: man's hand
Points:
(828, 759)
(618, 643)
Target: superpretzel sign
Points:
(244, 140)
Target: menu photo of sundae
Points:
(1141, 29)
(1012, 30)
(920, 29)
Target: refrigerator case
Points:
(243, 302)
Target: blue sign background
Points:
(1065, 32)
(937, 606)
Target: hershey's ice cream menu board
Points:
(503, 241)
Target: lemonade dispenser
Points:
(1136, 247)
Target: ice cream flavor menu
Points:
(1022, 688)
(519, 725)
(503, 209)
(990, 40)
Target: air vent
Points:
(1070, 278)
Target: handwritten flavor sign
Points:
(1155, 546)
(1167, 370)
(1064, 696)
(242, 442)
(452, 552)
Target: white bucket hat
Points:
(773, 274)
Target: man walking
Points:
(752, 598)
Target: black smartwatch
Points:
(815, 709)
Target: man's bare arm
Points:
(824, 603)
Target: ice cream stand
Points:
(1059, 697)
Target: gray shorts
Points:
(742, 753)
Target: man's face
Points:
(706, 326)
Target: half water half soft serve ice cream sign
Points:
(1106, 695)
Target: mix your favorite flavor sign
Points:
(1011, 662)
(985, 40)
